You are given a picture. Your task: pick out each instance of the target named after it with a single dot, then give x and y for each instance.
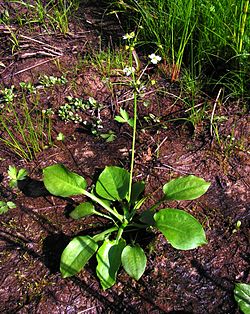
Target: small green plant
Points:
(5, 17)
(48, 81)
(108, 62)
(69, 113)
(60, 137)
(152, 119)
(124, 118)
(7, 96)
(108, 137)
(28, 87)
(237, 226)
(242, 296)
(74, 106)
(6, 206)
(120, 201)
(16, 175)
(94, 125)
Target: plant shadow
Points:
(53, 246)
(32, 188)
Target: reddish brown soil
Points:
(33, 235)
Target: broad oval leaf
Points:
(185, 188)
(242, 296)
(59, 181)
(137, 189)
(147, 217)
(181, 229)
(82, 210)
(134, 261)
(76, 255)
(109, 260)
(113, 183)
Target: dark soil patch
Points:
(33, 235)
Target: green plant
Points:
(109, 136)
(242, 296)
(49, 81)
(237, 226)
(6, 206)
(70, 111)
(108, 62)
(152, 119)
(241, 36)
(13, 39)
(168, 25)
(60, 14)
(5, 17)
(124, 118)
(52, 15)
(26, 129)
(209, 40)
(74, 108)
(94, 125)
(7, 96)
(60, 137)
(120, 205)
(16, 175)
(28, 86)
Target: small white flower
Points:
(154, 58)
(128, 70)
(129, 36)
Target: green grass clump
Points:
(210, 39)
(51, 15)
(25, 127)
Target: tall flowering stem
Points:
(131, 71)
(133, 145)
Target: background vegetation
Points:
(204, 42)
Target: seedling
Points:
(108, 137)
(60, 137)
(6, 206)
(93, 104)
(120, 202)
(16, 175)
(95, 125)
(237, 226)
(7, 96)
(151, 118)
(72, 110)
(74, 106)
(48, 81)
(124, 118)
(28, 86)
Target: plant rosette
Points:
(112, 199)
